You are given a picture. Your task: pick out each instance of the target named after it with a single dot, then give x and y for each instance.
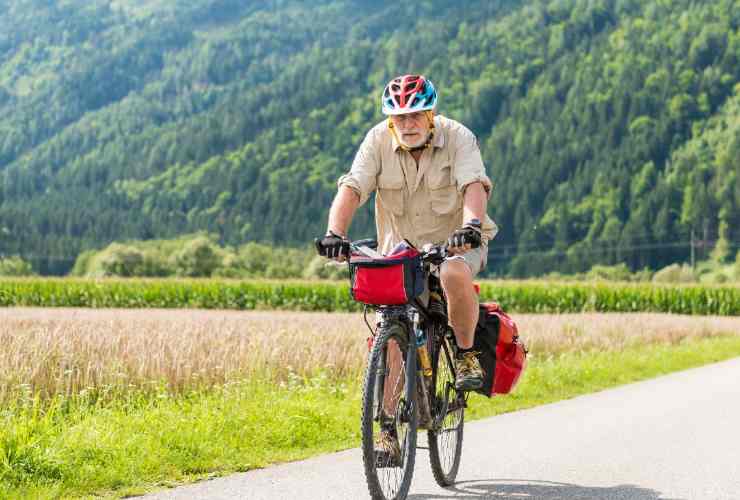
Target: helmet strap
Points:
(430, 118)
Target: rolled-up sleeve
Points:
(363, 174)
(469, 163)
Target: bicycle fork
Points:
(410, 374)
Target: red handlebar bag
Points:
(503, 356)
(392, 280)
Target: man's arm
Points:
(342, 210)
(354, 189)
(475, 200)
(356, 186)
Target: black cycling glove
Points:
(332, 245)
(469, 234)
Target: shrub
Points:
(116, 260)
(675, 273)
(643, 275)
(199, 257)
(318, 269)
(195, 255)
(82, 263)
(155, 264)
(620, 272)
(254, 258)
(231, 267)
(15, 266)
(121, 260)
(721, 278)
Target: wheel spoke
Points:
(445, 439)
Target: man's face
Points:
(412, 129)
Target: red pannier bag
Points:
(503, 356)
(395, 279)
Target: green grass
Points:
(72, 449)
(514, 296)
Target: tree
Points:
(197, 258)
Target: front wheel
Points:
(448, 413)
(387, 408)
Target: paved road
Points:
(676, 437)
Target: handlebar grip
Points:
(319, 247)
(322, 250)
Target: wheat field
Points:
(49, 352)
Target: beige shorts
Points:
(475, 258)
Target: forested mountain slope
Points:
(609, 126)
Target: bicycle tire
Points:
(446, 436)
(389, 483)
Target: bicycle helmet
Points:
(408, 94)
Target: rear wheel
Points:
(386, 405)
(448, 413)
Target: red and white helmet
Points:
(408, 94)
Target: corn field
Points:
(515, 296)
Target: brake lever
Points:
(435, 254)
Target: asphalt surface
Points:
(675, 437)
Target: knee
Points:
(455, 274)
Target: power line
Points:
(634, 236)
(493, 255)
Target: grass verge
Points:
(75, 448)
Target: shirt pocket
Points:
(443, 193)
(390, 193)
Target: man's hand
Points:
(332, 246)
(465, 238)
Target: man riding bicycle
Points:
(431, 187)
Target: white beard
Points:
(420, 142)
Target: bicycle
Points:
(420, 394)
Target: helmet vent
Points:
(407, 94)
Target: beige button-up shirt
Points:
(423, 205)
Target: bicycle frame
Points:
(402, 315)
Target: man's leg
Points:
(393, 380)
(456, 275)
(388, 451)
(462, 304)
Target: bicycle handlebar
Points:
(432, 254)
